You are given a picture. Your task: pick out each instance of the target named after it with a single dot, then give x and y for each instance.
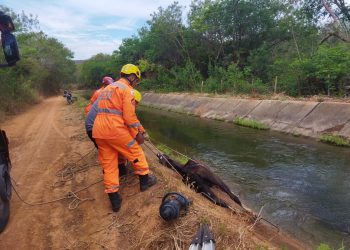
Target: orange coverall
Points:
(121, 158)
(92, 100)
(115, 129)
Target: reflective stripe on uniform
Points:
(131, 143)
(119, 85)
(109, 111)
(140, 171)
(134, 125)
(112, 189)
(91, 116)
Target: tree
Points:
(336, 12)
(96, 68)
(45, 66)
(239, 46)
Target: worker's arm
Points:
(129, 114)
(92, 100)
(95, 96)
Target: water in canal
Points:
(303, 185)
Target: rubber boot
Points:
(116, 201)
(147, 181)
(122, 169)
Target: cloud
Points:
(135, 9)
(93, 47)
(88, 27)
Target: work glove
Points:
(146, 136)
(139, 138)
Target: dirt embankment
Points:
(53, 161)
(308, 118)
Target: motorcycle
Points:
(69, 97)
(5, 181)
(11, 55)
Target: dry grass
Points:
(232, 228)
(179, 233)
(138, 224)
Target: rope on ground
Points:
(69, 170)
(258, 217)
(67, 173)
(71, 195)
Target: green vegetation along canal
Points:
(302, 184)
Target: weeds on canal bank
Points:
(324, 246)
(250, 123)
(83, 99)
(164, 149)
(335, 140)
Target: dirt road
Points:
(52, 157)
(42, 141)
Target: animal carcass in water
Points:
(201, 178)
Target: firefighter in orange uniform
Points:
(105, 81)
(117, 130)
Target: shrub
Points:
(233, 80)
(187, 77)
(181, 159)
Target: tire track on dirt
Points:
(39, 146)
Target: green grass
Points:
(181, 159)
(222, 229)
(335, 140)
(82, 101)
(250, 123)
(323, 246)
(204, 220)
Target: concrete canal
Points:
(302, 185)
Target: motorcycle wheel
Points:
(4, 213)
(5, 183)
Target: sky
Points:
(89, 27)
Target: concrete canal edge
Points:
(305, 118)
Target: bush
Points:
(187, 78)
(233, 80)
(213, 82)
(44, 67)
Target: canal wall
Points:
(306, 118)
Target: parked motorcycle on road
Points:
(69, 97)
